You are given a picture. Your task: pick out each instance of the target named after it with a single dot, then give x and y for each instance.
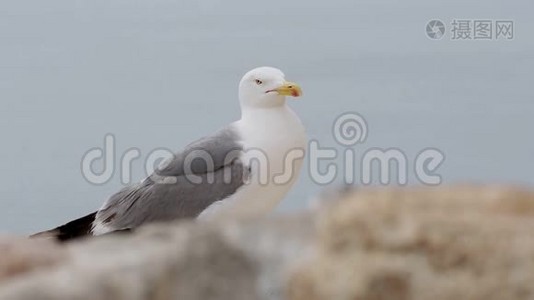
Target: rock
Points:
(425, 243)
(275, 244)
(158, 262)
(21, 255)
(407, 243)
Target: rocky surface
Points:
(411, 243)
(428, 243)
(19, 256)
(158, 262)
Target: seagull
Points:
(243, 170)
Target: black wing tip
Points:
(72, 230)
(49, 234)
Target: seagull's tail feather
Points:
(73, 229)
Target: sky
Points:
(160, 74)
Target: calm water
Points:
(161, 73)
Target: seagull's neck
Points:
(271, 128)
(254, 114)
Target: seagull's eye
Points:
(258, 82)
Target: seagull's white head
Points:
(266, 87)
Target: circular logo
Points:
(350, 129)
(435, 29)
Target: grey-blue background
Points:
(160, 73)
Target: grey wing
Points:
(205, 155)
(207, 171)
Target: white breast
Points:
(274, 142)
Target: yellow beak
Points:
(289, 89)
